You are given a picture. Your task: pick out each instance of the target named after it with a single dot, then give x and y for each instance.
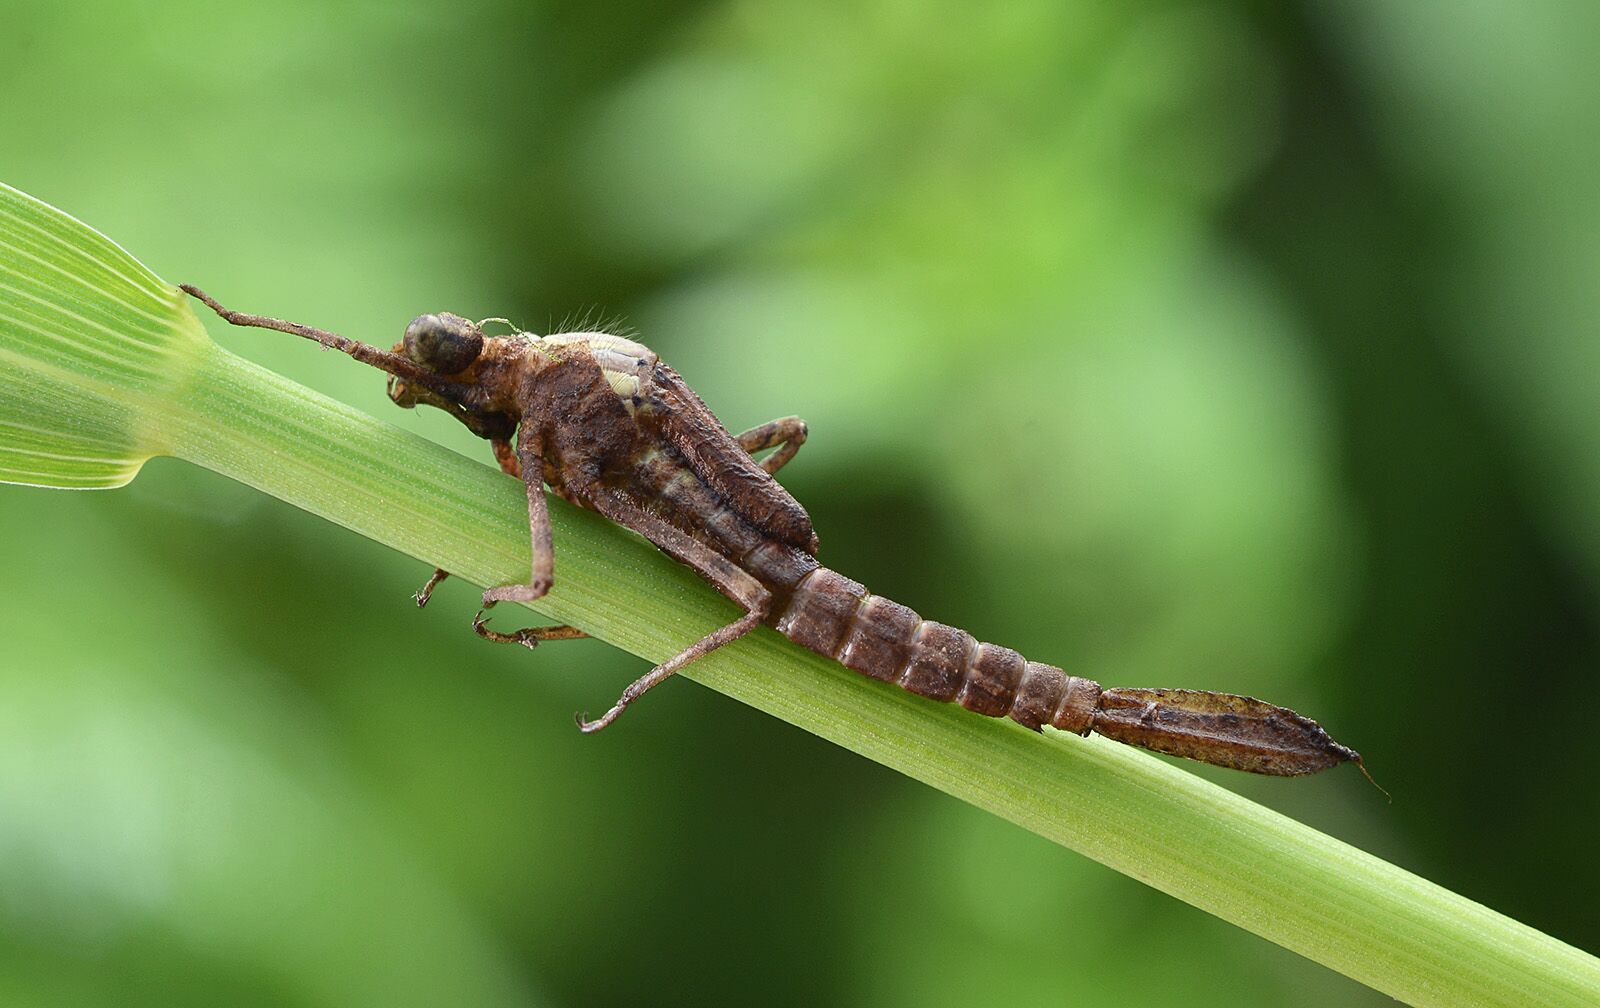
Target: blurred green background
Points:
(1241, 346)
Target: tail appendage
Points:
(838, 618)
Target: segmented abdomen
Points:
(834, 616)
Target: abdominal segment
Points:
(834, 616)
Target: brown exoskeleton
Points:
(609, 427)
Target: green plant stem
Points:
(1228, 856)
(103, 364)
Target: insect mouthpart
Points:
(401, 394)
(445, 344)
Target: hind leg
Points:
(726, 576)
(790, 432)
(661, 673)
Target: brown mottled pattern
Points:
(992, 683)
(838, 618)
(778, 566)
(726, 468)
(661, 464)
(937, 665)
(819, 611)
(1216, 728)
(878, 635)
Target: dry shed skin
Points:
(606, 425)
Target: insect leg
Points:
(642, 685)
(528, 637)
(727, 576)
(544, 557)
(422, 596)
(714, 567)
(788, 431)
(506, 456)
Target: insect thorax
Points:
(625, 363)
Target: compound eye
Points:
(444, 343)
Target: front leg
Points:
(542, 574)
(504, 454)
(528, 637)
